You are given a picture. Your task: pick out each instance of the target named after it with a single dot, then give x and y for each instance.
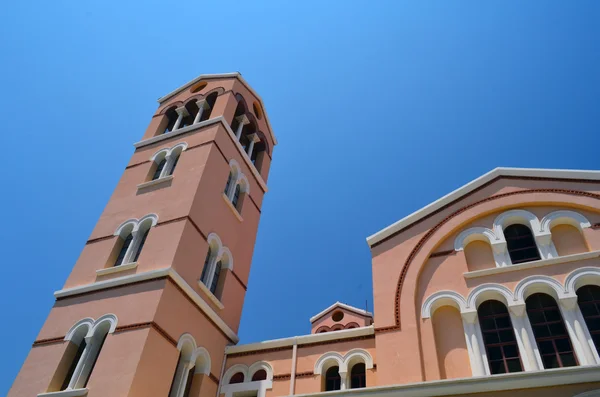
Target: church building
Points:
(492, 290)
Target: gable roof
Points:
(341, 305)
(475, 184)
(236, 75)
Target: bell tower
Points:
(157, 292)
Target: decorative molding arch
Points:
(327, 361)
(244, 184)
(214, 241)
(355, 356)
(224, 252)
(564, 217)
(534, 284)
(581, 277)
(440, 299)
(82, 326)
(135, 224)
(234, 369)
(164, 152)
(257, 366)
(474, 234)
(186, 345)
(515, 217)
(419, 245)
(107, 320)
(485, 292)
(200, 353)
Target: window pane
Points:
(550, 361)
(497, 367)
(491, 337)
(568, 360)
(546, 347)
(510, 351)
(514, 365)
(487, 324)
(503, 322)
(557, 329)
(495, 353)
(507, 335)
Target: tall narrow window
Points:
(236, 197)
(172, 170)
(229, 179)
(141, 245)
(521, 244)
(73, 365)
(333, 381)
(171, 120)
(549, 330)
(124, 247)
(358, 376)
(94, 359)
(205, 269)
(215, 281)
(588, 298)
(499, 338)
(159, 167)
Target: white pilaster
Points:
(577, 330)
(530, 356)
(344, 380)
(132, 248)
(474, 343)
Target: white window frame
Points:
(137, 228)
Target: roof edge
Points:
(474, 184)
(344, 306)
(236, 75)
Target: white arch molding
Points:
(259, 387)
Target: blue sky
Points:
(378, 109)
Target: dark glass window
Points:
(236, 197)
(74, 363)
(206, 264)
(521, 244)
(550, 333)
(261, 374)
(172, 119)
(159, 169)
(215, 281)
(499, 338)
(332, 379)
(588, 298)
(174, 165)
(139, 249)
(228, 183)
(358, 376)
(188, 382)
(238, 377)
(96, 358)
(124, 248)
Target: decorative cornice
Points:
(306, 374)
(476, 185)
(153, 275)
(283, 376)
(435, 228)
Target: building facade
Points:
(492, 290)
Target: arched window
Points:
(333, 381)
(499, 338)
(228, 184)
(192, 110)
(125, 243)
(192, 361)
(549, 330)
(159, 168)
(521, 244)
(238, 377)
(171, 116)
(261, 374)
(215, 280)
(142, 240)
(206, 268)
(588, 298)
(236, 197)
(86, 339)
(358, 376)
(210, 104)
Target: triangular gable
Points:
(340, 305)
(476, 184)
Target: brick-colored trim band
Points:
(431, 231)
(596, 226)
(441, 253)
(150, 324)
(282, 377)
(261, 351)
(49, 341)
(329, 342)
(213, 378)
(304, 374)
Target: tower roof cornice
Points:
(234, 75)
